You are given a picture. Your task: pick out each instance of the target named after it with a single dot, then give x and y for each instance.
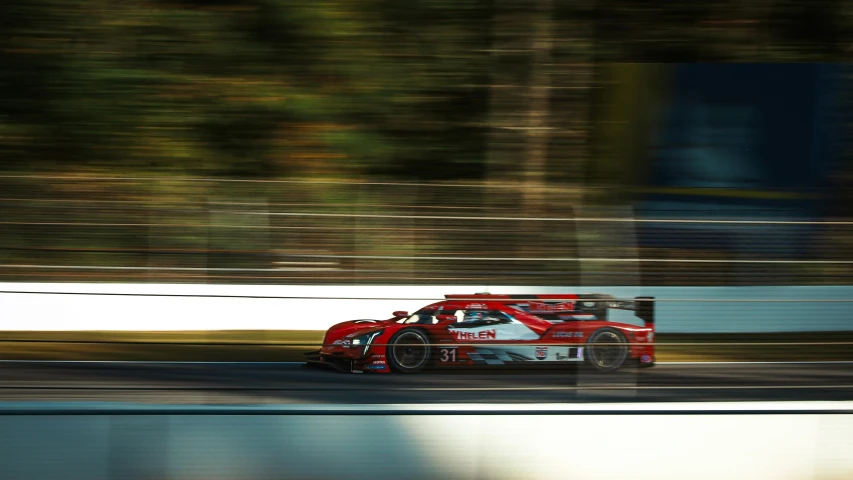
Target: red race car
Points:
(495, 330)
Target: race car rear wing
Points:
(643, 307)
(565, 307)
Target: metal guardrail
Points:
(423, 299)
(141, 229)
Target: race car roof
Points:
(566, 304)
(526, 297)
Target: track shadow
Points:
(288, 383)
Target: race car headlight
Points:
(365, 340)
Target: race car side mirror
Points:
(401, 313)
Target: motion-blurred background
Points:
(503, 142)
(333, 148)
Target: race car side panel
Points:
(564, 342)
(507, 354)
(640, 339)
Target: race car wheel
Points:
(408, 351)
(607, 350)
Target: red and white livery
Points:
(496, 330)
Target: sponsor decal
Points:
(560, 356)
(379, 362)
(541, 353)
(336, 342)
(475, 306)
(568, 335)
(377, 355)
(481, 335)
(552, 307)
(376, 367)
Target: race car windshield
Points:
(486, 317)
(421, 317)
(430, 316)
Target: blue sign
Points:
(741, 142)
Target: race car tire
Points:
(408, 351)
(606, 358)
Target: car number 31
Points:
(447, 354)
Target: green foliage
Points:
(393, 88)
(229, 89)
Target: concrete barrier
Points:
(655, 442)
(165, 307)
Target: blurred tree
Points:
(427, 89)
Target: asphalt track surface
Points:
(269, 383)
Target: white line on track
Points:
(583, 388)
(473, 408)
(631, 387)
(182, 362)
(150, 362)
(791, 362)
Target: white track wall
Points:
(266, 447)
(65, 306)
